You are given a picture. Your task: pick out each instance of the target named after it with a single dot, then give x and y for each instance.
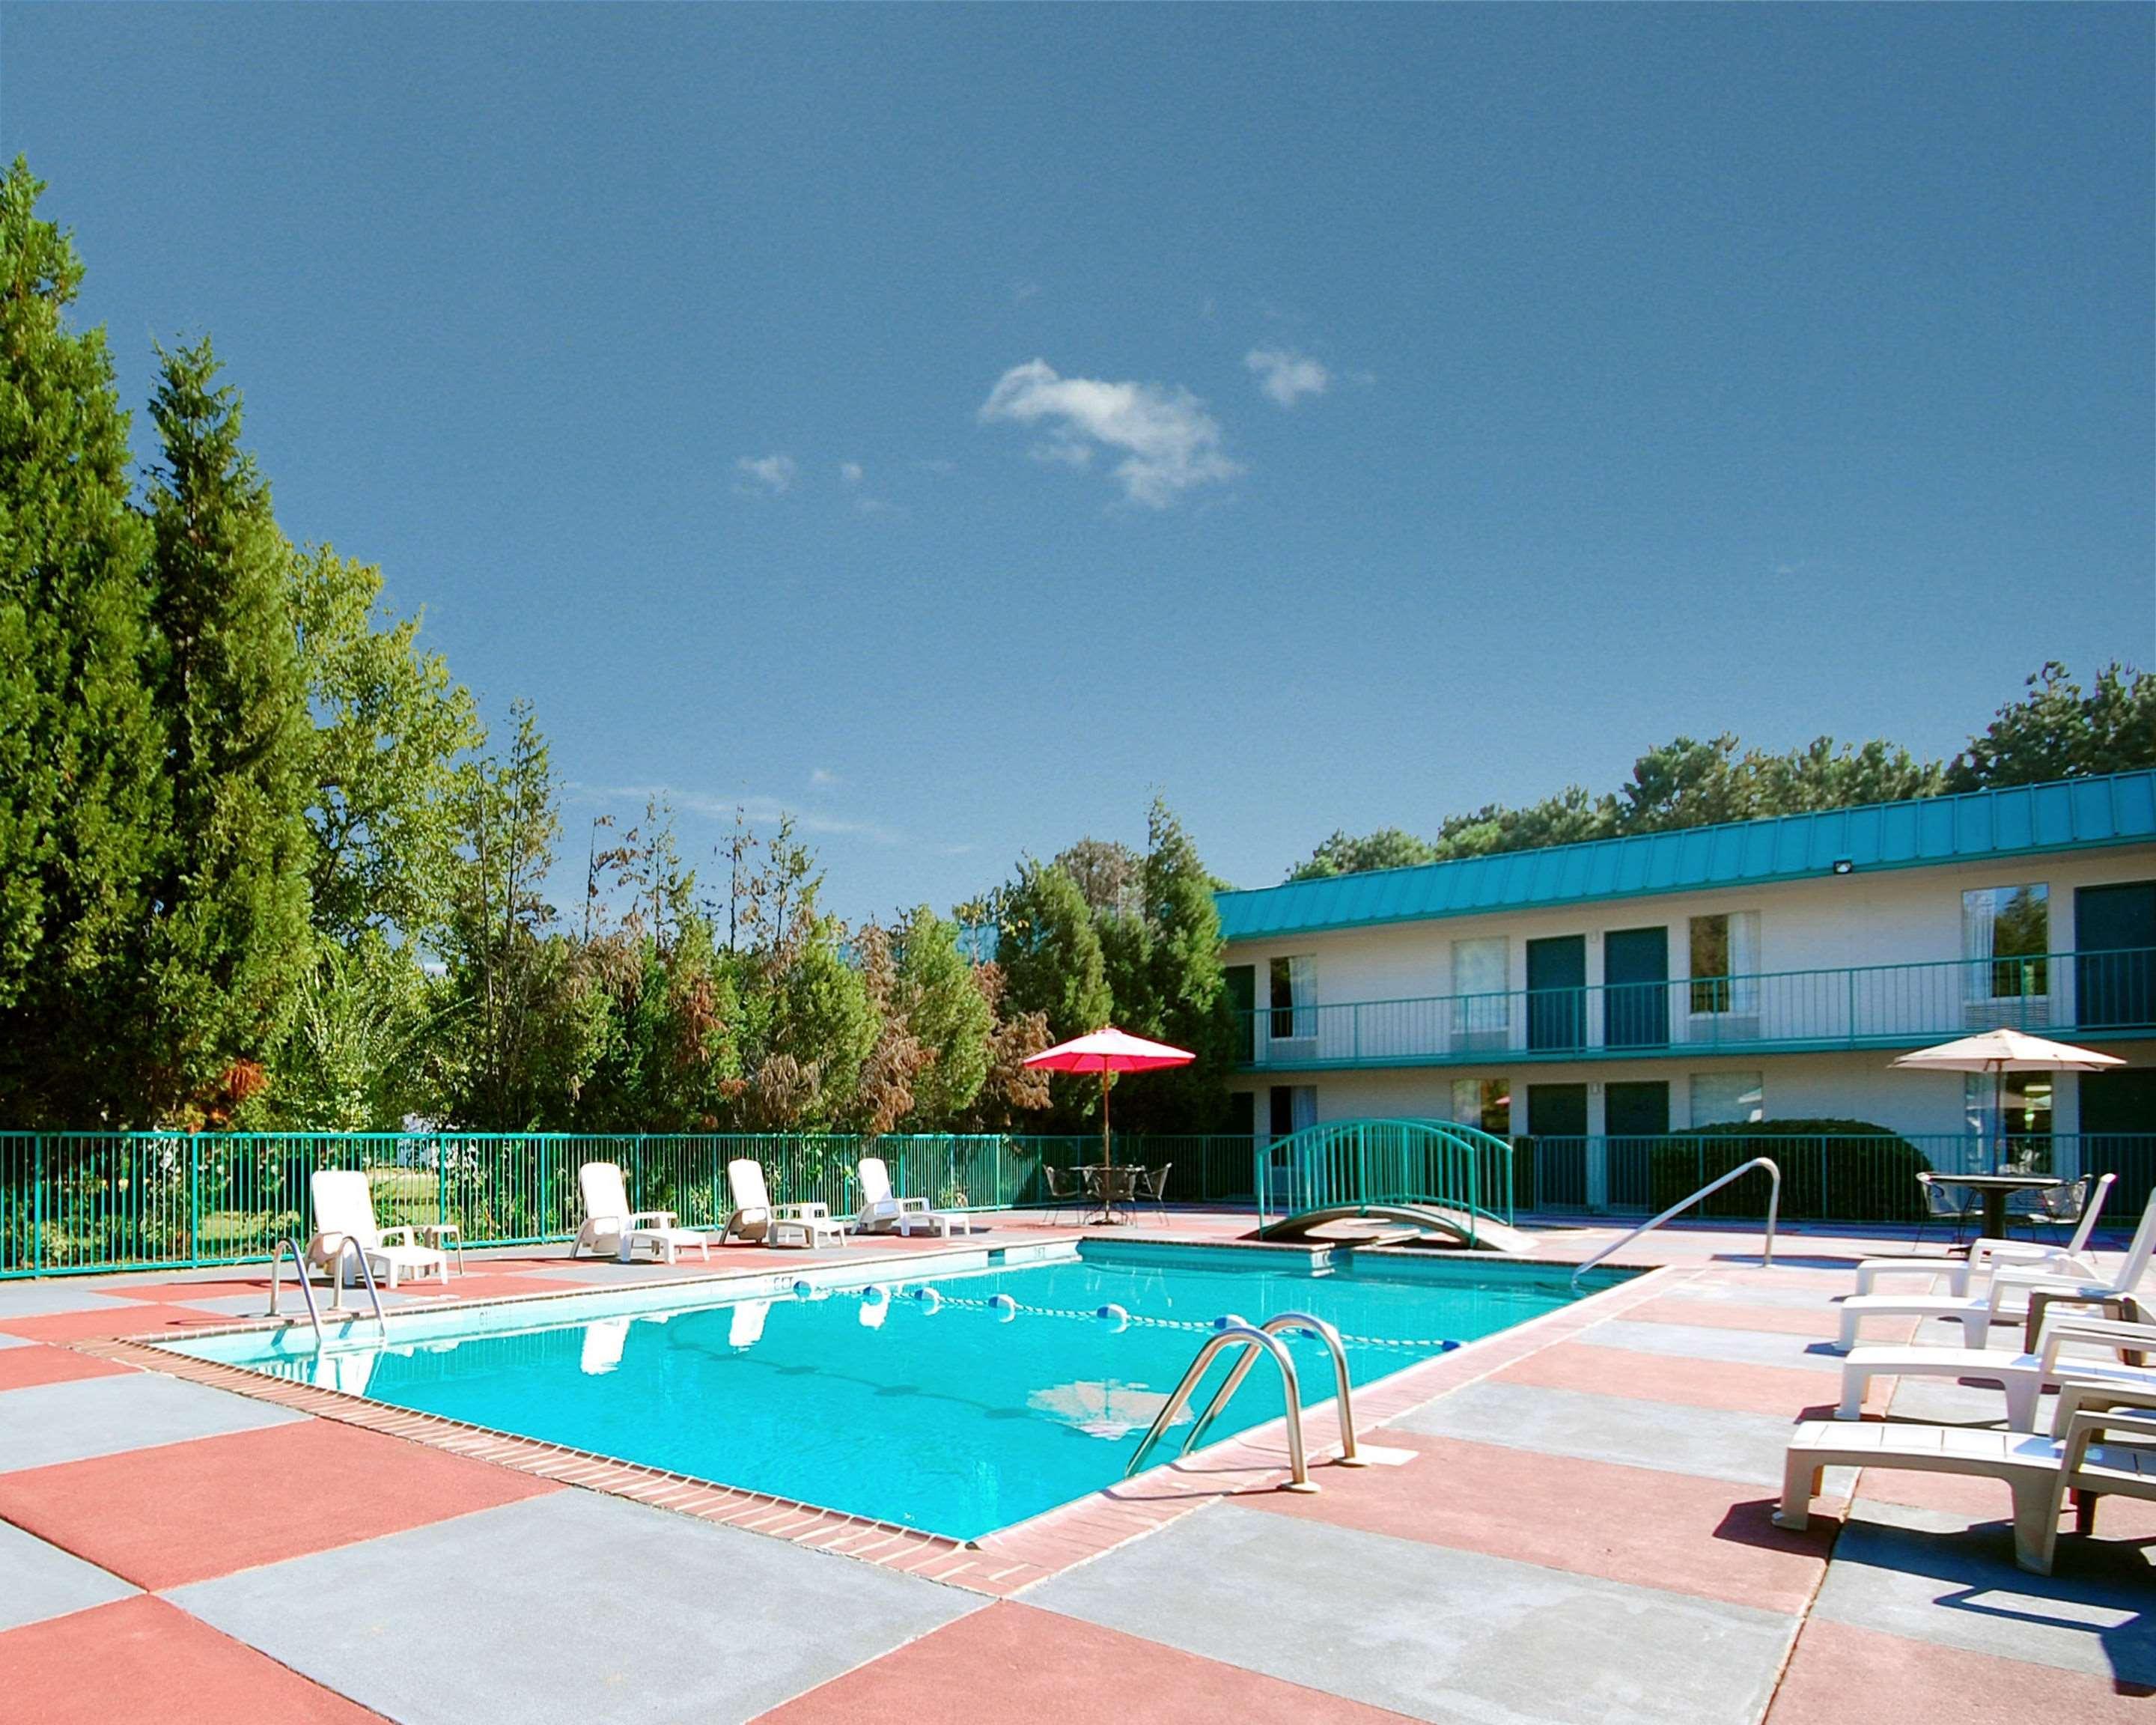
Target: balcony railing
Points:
(1867, 1006)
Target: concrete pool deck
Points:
(1574, 1526)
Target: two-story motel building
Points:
(1758, 970)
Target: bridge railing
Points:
(1400, 1161)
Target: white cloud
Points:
(852, 472)
(1169, 443)
(758, 810)
(775, 474)
(823, 776)
(1287, 376)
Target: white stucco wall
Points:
(1898, 917)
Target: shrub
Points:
(1832, 1170)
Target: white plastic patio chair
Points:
(883, 1213)
(2038, 1470)
(1988, 1254)
(2025, 1377)
(756, 1220)
(610, 1225)
(2008, 1296)
(344, 1209)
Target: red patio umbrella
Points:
(1106, 1051)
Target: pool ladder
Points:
(345, 1245)
(1251, 1341)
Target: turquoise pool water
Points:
(948, 1415)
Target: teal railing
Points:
(73, 1202)
(1428, 1162)
(2095, 994)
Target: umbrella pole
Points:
(1997, 1112)
(1108, 1153)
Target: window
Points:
(2024, 1104)
(1293, 1003)
(1484, 1103)
(1483, 1004)
(2005, 935)
(1725, 963)
(1728, 1098)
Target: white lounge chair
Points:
(344, 1210)
(2025, 1377)
(2008, 1296)
(1987, 1255)
(883, 1213)
(755, 1219)
(2038, 1470)
(610, 1225)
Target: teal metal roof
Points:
(2073, 815)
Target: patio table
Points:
(1995, 1189)
(1108, 1185)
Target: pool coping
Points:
(1001, 1563)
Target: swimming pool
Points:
(958, 1413)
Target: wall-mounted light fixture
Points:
(1844, 865)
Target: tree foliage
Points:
(84, 803)
(229, 936)
(2054, 731)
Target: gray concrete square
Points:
(1946, 1401)
(1427, 1631)
(50, 1423)
(1745, 1348)
(1709, 1442)
(38, 1581)
(588, 1608)
(50, 1299)
(2096, 1612)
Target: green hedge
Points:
(1832, 1170)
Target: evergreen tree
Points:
(83, 797)
(1051, 953)
(391, 726)
(2056, 731)
(1187, 984)
(526, 1018)
(230, 941)
(947, 1015)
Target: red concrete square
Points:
(1738, 1389)
(163, 1516)
(1012, 1661)
(1821, 1325)
(135, 1318)
(1710, 1537)
(22, 1367)
(475, 1286)
(1840, 1673)
(1979, 1499)
(143, 1659)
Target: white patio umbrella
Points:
(2000, 1052)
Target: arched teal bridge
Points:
(1429, 1178)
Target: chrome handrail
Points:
(1773, 1208)
(1237, 1335)
(1314, 1326)
(345, 1243)
(306, 1289)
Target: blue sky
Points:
(954, 426)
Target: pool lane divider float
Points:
(1004, 1309)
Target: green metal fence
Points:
(73, 1202)
(1825, 1177)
